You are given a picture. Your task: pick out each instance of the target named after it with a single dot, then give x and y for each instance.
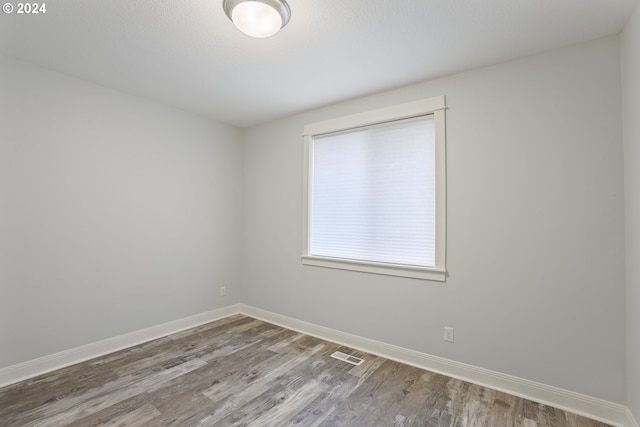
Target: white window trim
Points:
(435, 106)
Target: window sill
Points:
(435, 274)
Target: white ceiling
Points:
(187, 53)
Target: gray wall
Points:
(535, 226)
(116, 213)
(631, 109)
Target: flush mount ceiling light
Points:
(258, 18)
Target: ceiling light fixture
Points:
(258, 18)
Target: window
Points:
(375, 191)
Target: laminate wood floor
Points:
(239, 371)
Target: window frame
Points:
(434, 106)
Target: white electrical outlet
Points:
(223, 291)
(448, 334)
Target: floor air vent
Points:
(347, 358)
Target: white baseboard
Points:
(591, 407)
(32, 368)
(608, 412)
(631, 421)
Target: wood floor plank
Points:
(241, 371)
(139, 417)
(355, 409)
(44, 390)
(341, 384)
(234, 397)
(79, 408)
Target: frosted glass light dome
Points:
(258, 18)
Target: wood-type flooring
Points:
(239, 371)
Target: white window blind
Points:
(373, 194)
